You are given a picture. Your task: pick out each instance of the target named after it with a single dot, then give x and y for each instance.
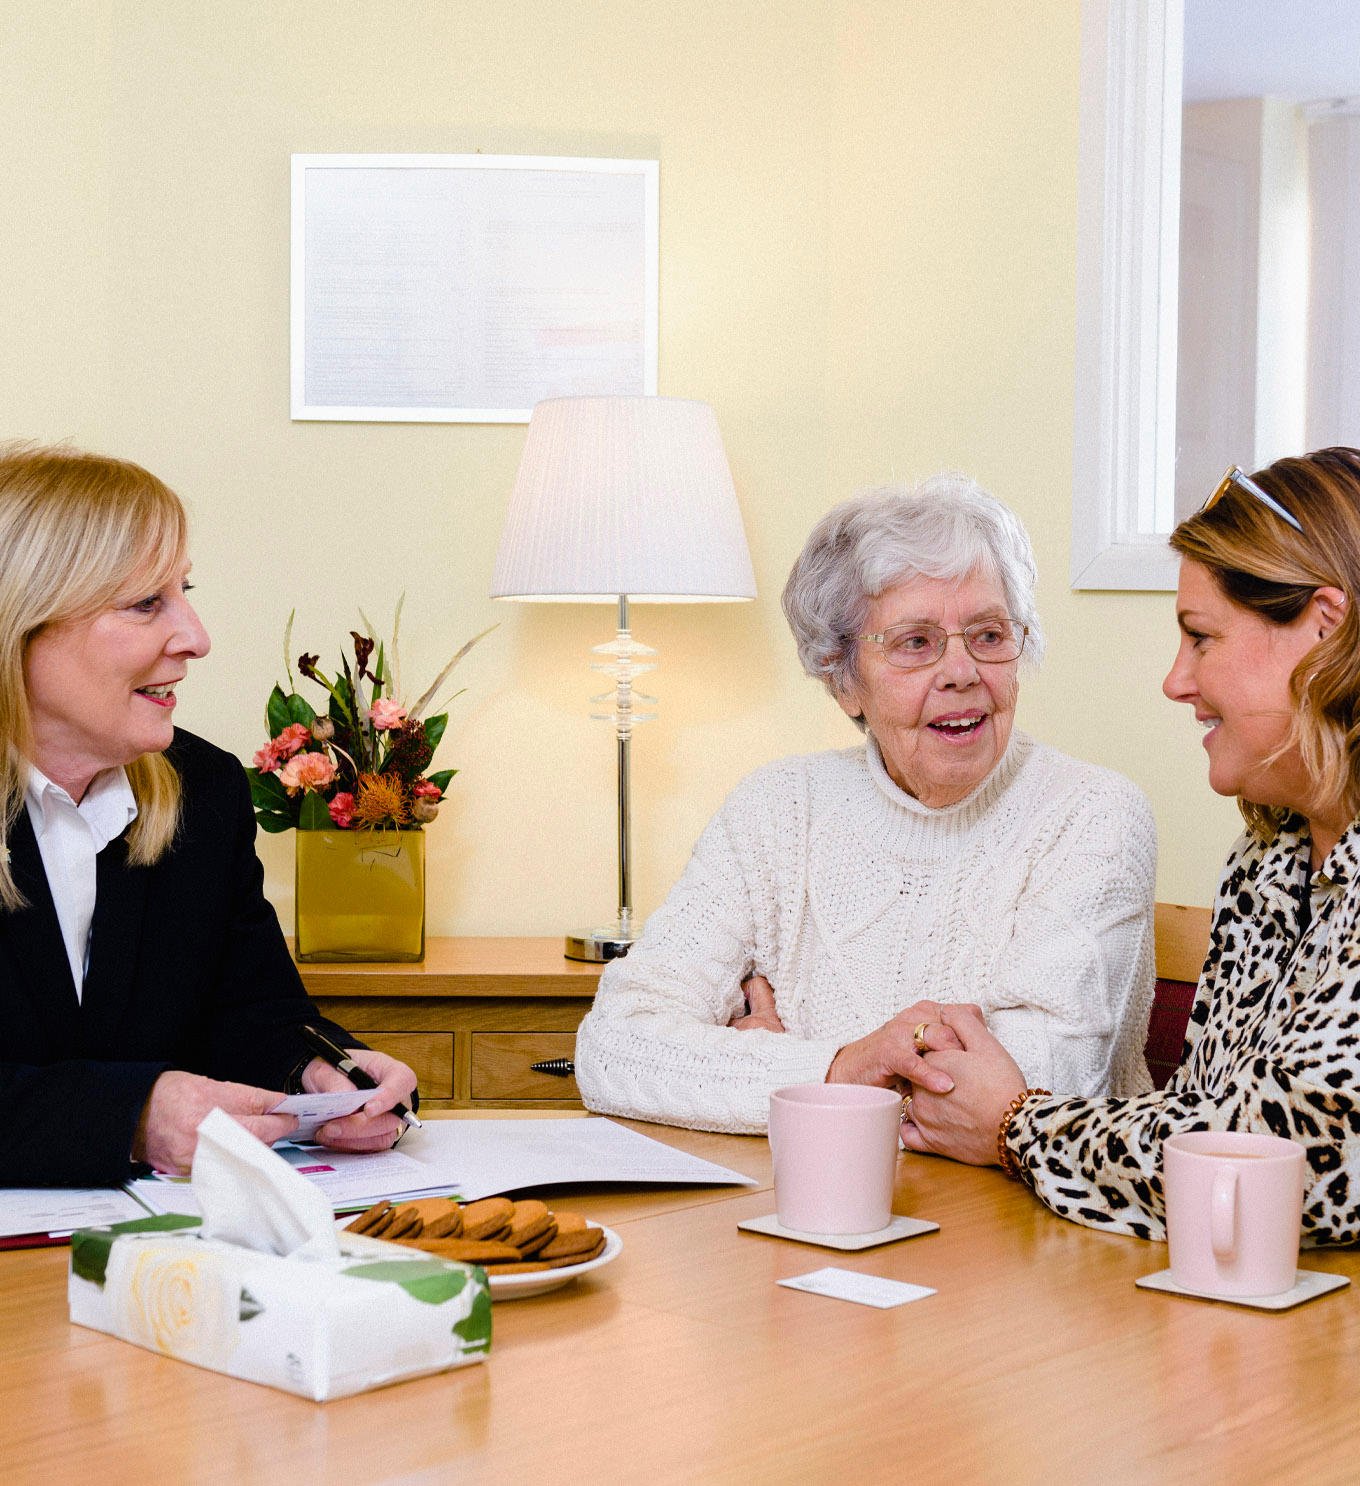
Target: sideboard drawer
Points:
(501, 1065)
(428, 1054)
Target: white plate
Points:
(539, 1282)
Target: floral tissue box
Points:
(323, 1328)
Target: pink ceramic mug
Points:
(835, 1156)
(1234, 1205)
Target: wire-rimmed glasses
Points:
(914, 645)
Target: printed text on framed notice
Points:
(466, 288)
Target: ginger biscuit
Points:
(432, 1209)
(406, 1223)
(449, 1225)
(370, 1217)
(583, 1244)
(530, 1246)
(529, 1219)
(489, 1215)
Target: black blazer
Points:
(188, 969)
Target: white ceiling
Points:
(1304, 50)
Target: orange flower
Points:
(380, 801)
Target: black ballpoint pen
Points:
(339, 1059)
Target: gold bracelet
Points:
(1008, 1164)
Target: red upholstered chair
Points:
(1182, 936)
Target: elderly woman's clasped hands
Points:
(925, 1052)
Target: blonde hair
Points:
(77, 531)
(1261, 563)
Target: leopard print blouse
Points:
(1273, 1045)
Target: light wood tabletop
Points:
(683, 1360)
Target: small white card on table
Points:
(863, 1289)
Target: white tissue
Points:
(250, 1196)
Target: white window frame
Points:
(1124, 448)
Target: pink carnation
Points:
(307, 771)
(296, 735)
(388, 714)
(266, 760)
(342, 809)
(427, 791)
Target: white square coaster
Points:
(862, 1289)
(1310, 1284)
(899, 1227)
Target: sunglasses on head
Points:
(1235, 476)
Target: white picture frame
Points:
(465, 288)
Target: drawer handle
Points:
(558, 1067)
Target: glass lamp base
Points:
(611, 942)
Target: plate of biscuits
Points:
(525, 1247)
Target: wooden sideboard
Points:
(470, 1019)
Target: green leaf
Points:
(431, 1281)
(441, 778)
(250, 1307)
(434, 728)
(266, 791)
(273, 823)
(276, 711)
(90, 1247)
(475, 1327)
(300, 710)
(380, 673)
(314, 816)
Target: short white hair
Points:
(945, 527)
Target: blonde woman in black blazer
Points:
(125, 1019)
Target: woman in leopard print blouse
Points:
(1269, 659)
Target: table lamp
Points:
(619, 500)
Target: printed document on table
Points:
(63, 1209)
(490, 1156)
(348, 1180)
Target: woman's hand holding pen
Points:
(168, 1130)
(374, 1127)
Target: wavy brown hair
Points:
(77, 532)
(1260, 563)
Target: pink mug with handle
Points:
(835, 1156)
(1234, 1209)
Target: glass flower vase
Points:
(360, 895)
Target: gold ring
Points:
(918, 1037)
(906, 1107)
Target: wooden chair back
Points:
(1182, 942)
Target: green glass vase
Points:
(360, 895)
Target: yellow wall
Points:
(867, 266)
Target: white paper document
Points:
(462, 1158)
(346, 1179)
(313, 1110)
(863, 1289)
(63, 1209)
(485, 1157)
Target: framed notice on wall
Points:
(466, 288)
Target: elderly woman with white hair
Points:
(839, 900)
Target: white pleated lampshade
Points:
(623, 496)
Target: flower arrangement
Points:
(361, 762)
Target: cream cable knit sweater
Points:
(1032, 897)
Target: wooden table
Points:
(1037, 1361)
(471, 1019)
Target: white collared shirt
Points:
(70, 836)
